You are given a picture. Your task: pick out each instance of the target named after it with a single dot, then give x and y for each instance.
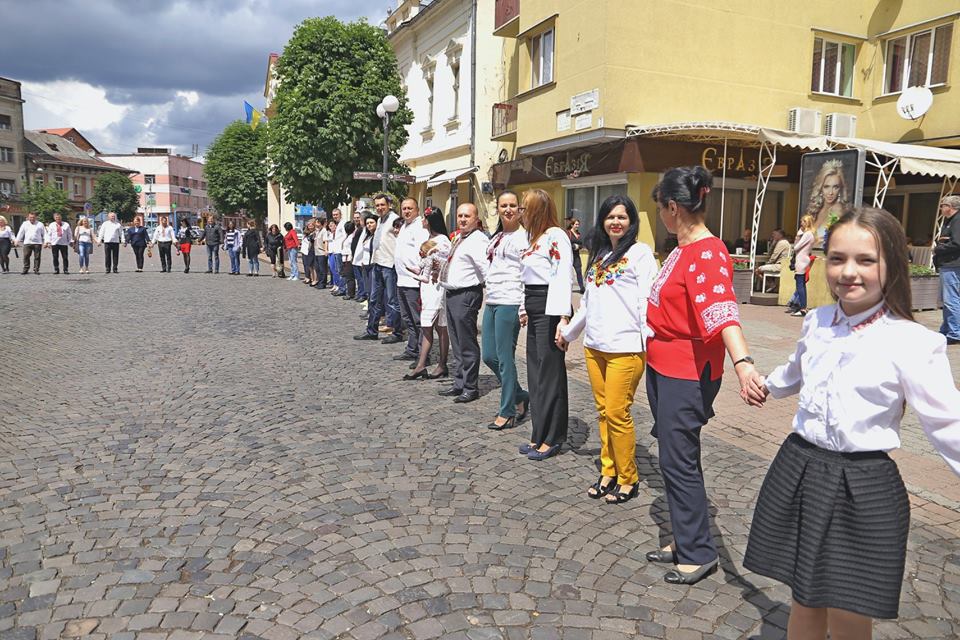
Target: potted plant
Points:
(742, 278)
(924, 288)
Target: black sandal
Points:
(620, 498)
(600, 489)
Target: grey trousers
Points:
(410, 316)
(463, 307)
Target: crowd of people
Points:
(832, 507)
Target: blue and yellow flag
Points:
(253, 117)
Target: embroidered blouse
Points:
(614, 305)
(503, 277)
(549, 261)
(853, 375)
(691, 302)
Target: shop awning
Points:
(450, 176)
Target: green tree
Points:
(236, 170)
(46, 200)
(332, 77)
(115, 192)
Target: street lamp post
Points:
(388, 105)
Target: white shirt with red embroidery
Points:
(549, 261)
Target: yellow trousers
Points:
(614, 378)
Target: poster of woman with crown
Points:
(830, 183)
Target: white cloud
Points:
(68, 103)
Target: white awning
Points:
(450, 176)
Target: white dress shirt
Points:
(407, 253)
(31, 233)
(110, 232)
(361, 256)
(467, 263)
(384, 242)
(614, 305)
(853, 374)
(164, 234)
(503, 276)
(64, 237)
(339, 236)
(7, 232)
(549, 261)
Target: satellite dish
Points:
(914, 102)
(502, 157)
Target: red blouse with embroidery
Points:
(691, 302)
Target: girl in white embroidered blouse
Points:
(857, 364)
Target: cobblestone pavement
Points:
(199, 456)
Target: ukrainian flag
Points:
(253, 117)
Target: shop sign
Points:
(712, 158)
(568, 164)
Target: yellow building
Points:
(601, 96)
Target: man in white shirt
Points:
(31, 236)
(412, 235)
(462, 278)
(383, 289)
(335, 249)
(110, 236)
(59, 237)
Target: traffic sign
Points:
(87, 207)
(378, 175)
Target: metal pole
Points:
(386, 150)
(723, 186)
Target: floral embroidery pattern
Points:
(706, 255)
(719, 314)
(719, 289)
(532, 250)
(693, 267)
(662, 277)
(701, 278)
(723, 257)
(700, 298)
(554, 254)
(724, 271)
(607, 275)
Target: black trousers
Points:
(165, 259)
(322, 266)
(410, 316)
(35, 251)
(349, 279)
(463, 307)
(5, 254)
(138, 252)
(680, 408)
(111, 255)
(60, 252)
(546, 372)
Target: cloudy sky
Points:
(130, 73)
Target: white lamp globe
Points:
(391, 104)
(381, 112)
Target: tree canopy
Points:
(332, 77)
(115, 192)
(46, 200)
(236, 170)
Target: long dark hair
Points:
(892, 245)
(599, 242)
(436, 222)
(273, 229)
(687, 186)
(499, 221)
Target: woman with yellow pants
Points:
(613, 312)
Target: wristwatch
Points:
(747, 359)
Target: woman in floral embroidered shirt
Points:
(546, 269)
(613, 311)
(694, 317)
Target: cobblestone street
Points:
(199, 456)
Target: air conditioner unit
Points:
(803, 120)
(840, 125)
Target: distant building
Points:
(170, 185)
(12, 178)
(73, 136)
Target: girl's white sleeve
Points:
(787, 379)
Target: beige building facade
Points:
(12, 176)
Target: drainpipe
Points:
(473, 87)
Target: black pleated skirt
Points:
(833, 527)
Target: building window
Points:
(6, 154)
(175, 181)
(455, 70)
(919, 59)
(5, 123)
(203, 185)
(541, 58)
(7, 187)
(77, 188)
(584, 202)
(38, 181)
(58, 182)
(149, 179)
(833, 64)
(429, 71)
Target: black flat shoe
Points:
(600, 489)
(419, 375)
(509, 424)
(675, 576)
(445, 373)
(620, 498)
(664, 557)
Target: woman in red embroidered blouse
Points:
(693, 314)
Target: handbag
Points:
(149, 251)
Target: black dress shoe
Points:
(391, 340)
(509, 424)
(467, 396)
(442, 374)
(664, 557)
(526, 409)
(951, 341)
(365, 336)
(451, 392)
(419, 375)
(675, 576)
(405, 356)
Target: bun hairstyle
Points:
(687, 186)
(892, 246)
(436, 222)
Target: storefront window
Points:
(583, 202)
(921, 214)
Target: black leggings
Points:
(138, 252)
(165, 259)
(5, 254)
(111, 255)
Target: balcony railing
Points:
(504, 119)
(505, 13)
